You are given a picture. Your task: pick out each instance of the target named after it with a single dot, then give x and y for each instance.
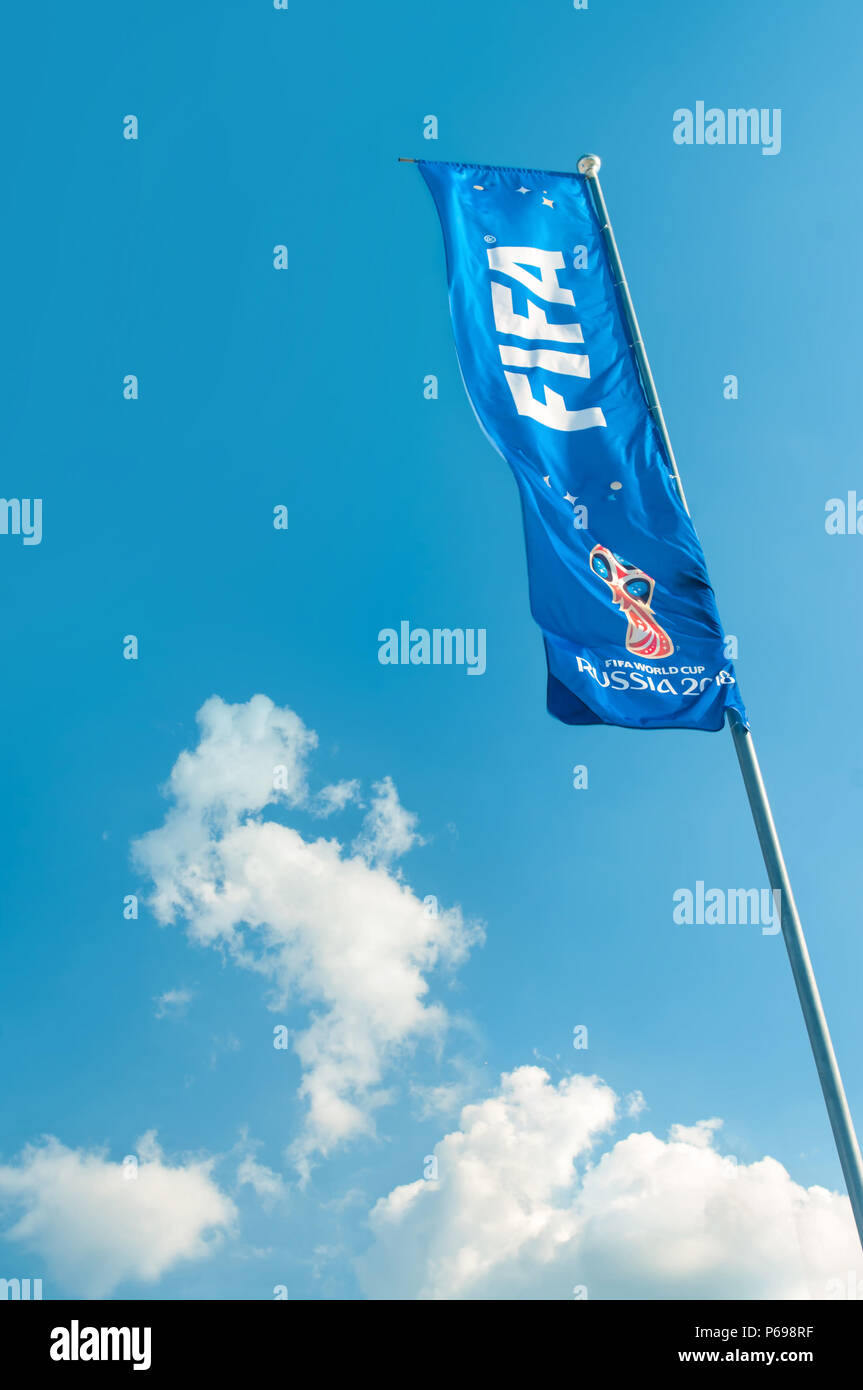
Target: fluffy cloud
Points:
(96, 1224)
(337, 930)
(269, 1186)
(335, 797)
(634, 1104)
(389, 831)
(521, 1210)
(173, 1003)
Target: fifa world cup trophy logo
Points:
(632, 591)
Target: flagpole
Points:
(792, 930)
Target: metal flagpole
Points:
(792, 930)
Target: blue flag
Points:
(618, 581)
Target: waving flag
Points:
(618, 581)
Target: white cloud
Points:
(267, 1184)
(173, 1003)
(96, 1224)
(335, 797)
(446, 1098)
(521, 1211)
(337, 931)
(700, 1135)
(635, 1104)
(389, 831)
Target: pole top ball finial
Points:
(589, 165)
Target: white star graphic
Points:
(547, 480)
(522, 190)
(547, 202)
(568, 497)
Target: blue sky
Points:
(305, 387)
